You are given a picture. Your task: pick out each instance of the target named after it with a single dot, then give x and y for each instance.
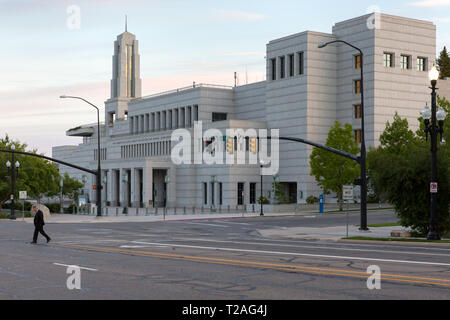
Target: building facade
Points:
(307, 89)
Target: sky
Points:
(56, 47)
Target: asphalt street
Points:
(215, 259)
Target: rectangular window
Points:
(421, 64)
(205, 193)
(282, 67)
(357, 85)
(220, 194)
(358, 62)
(291, 65)
(240, 194)
(252, 193)
(405, 62)
(273, 66)
(218, 116)
(358, 135)
(388, 60)
(357, 111)
(301, 63)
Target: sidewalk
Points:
(327, 233)
(71, 218)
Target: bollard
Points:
(156, 211)
(201, 210)
(137, 212)
(220, 208)
(193, 210)
(184, 210)
(228, 208)
(175, 211)
(146, 211)
(117, 212)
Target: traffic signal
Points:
(230, 145)
(253, 143)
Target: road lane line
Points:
(298, 254)
(208, 224)
(72, 265)
(315, 247)
(254, 264)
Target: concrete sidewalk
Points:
(328, 233)
(69, 218)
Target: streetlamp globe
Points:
(17, 164)
(13, 147)
(440, 114)
(8, 164)
(426, 113)
(433, 74)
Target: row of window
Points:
(161, 148)
(240, 193)
(405, 61)
(164, 120)
(102, 154)
(289, 65)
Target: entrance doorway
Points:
(159, 188)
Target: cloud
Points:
(233, 15)
(431, 3)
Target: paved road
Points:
(214, 259)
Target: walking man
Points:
(39, 225)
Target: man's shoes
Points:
(33, 242)
(48, 240)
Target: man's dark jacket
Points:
(39, 219)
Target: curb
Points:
(428, 244)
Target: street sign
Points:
(23, 195)
(347, 192)
(434, 187)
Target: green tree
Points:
(71, 187)
(400, 170)
(330, 170)
(37, 176)
(444, 64)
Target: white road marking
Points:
(241, 223)
(298, 254)
(207, 224)
(72, 265)
(315, 247)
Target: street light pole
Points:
(99, 170)
(433, 129)
(362, 158)
(13, 167)
(61, 184)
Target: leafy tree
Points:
(330, 170)
(71, 187)
(400, 170)
(37, 176)
(444, 64)
(279, 193)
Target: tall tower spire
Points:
(126, 82)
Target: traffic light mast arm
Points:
(51, 159)
(320, 146)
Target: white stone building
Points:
(306, 90)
